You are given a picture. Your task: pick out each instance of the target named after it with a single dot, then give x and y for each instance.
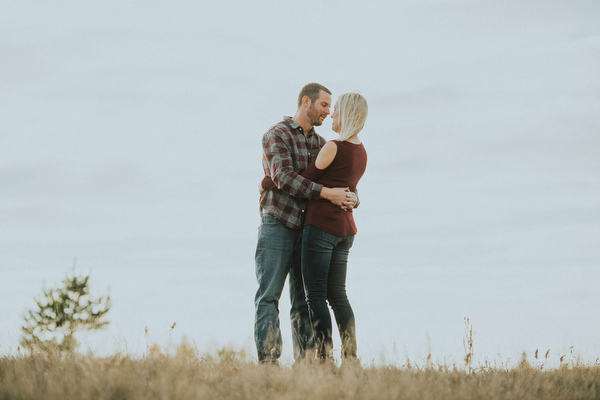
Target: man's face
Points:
(319, 110)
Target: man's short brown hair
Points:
(313, 91)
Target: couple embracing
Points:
(307, 227)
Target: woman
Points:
(329, 231)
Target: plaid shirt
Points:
(286, 153)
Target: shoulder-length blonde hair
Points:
(353, 110)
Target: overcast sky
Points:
(130, 141)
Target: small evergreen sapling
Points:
(61, 312)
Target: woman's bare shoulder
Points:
(326, 155)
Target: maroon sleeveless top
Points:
(345, 170)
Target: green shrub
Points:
(61, 312)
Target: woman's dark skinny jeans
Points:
(324, 264)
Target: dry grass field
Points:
(184, 374)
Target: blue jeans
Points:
(277, 255)
(324, 264)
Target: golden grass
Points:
(229, 374)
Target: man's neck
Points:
(303, 122)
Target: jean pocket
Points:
(268, 219)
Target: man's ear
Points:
(306, 101)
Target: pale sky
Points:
(130, 140)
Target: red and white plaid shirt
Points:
(286, 153)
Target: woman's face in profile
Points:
(335, 125)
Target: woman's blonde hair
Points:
(353, 109)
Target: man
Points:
(288, 147)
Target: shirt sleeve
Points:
(312, 172)
(278, 160)
(267, 183)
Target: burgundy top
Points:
(345, 170)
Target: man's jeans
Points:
(277, 255)
(324, 264)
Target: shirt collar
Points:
(294, 125)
